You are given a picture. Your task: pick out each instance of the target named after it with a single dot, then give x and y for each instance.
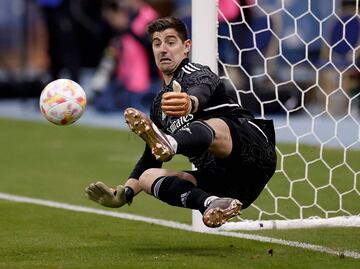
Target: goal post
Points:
(204, 50)
(205, 29)
(297, 62)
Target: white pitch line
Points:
(177, 225)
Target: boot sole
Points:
(141, 125)
(215, 217)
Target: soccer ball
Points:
(62, 101)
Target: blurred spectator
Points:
(124, 76)
(339, 74)
(234, 17)
(183, 11)
(63, 46)
(23, 57)
(93, 33)
(163, 7)
(229, 12)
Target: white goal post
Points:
(204, 50)
(315, 103)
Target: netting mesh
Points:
(297, 61)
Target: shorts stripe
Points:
(157, 186)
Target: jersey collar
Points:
(181, 65)
(178, 70)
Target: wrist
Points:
(194, 104)
(129, 194)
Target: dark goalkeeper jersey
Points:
(214, 102)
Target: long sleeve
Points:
(146, 161)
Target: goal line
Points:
(177, 225)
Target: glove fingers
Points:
(92, 187)
(173, 95)
(174, 108)
(105, 190)
(91, 195)
(175, 113)
(174, 102)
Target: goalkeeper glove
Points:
(176, 103)
(106, 196)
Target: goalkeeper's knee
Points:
(195, 140)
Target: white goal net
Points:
(296, 61)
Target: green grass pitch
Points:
(56, 163)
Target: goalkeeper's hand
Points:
(176, 103)
(106, 196)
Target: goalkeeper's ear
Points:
(187, 45)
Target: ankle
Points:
(173, 142)
(209, 200)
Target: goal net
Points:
(297, 62)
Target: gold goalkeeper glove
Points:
(106, 196)
(177, 103)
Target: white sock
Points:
(209, 200)
(173, 142)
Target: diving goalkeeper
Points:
(193, 115)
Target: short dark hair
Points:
(162, 24)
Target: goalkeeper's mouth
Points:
(165, 60)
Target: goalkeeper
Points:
(193, 115)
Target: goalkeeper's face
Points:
(169, 50)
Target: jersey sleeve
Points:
(146, 161)
(202, 83)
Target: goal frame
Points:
(205, 51)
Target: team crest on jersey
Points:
(180, 123)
